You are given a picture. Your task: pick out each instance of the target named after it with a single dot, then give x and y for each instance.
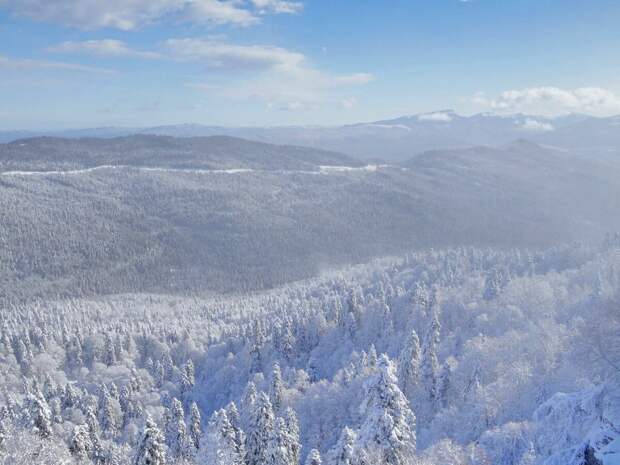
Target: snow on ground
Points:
(571, 428)
(324, 169)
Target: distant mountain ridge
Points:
(145, 150)
(394, 139)
(164, 214)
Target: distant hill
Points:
(165, 221)
(400, 138)
(215, 152)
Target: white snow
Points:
(388, 126)
(325, 169)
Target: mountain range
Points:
(162, 214)
(396, 139)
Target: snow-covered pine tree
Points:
(97, 453)
(313, 458)
(350, 325)
(261, 423)
(343, 452)
(151, 449)
(247, 403)
(177, 438)
(80, 444)
(188, 377)
(282, 447)
(372, 357)
(409, 365)
(195, 427)
(235, 422)
(292, 426)
(219, 445)
(388, 427)
(107, 414)
(256, 360)
(3, 433)
(276, 391)
(160, 374)
(41, 415)
(287, 341)
(429, 367)
(443, 386)
(354, 306)
(109, 356)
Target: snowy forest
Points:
(309, 232)
(453, 356)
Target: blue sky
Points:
(78, 63)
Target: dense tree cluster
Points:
(165, 215)
(447, 356)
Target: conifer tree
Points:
(389, 423)
(235, 422)
(176, 435)
(109, 356)
(277, 388)
(80, 444)
(219, 446)
(282, 447)
(409, 365)
(188, 377)
(292, 427)
(261, 424)
(41, 415)
(313, 458)
(151, 449)
(443, 387)
(372, 357)
(247, 403)
(430, 365)
(344, 450)
(107, 414)
(195, 427)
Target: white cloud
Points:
(537, 126)
(276, 76)
(105, 47)
(28, 64)
(131, 14)
(278, 6)
(218, 12)
(231, 56)
(437, 117)
(281, 79)
(552, 101)
(93, 14)
(348, 102)
(356, 78)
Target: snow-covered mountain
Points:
(399, 138)
(220, 301)
(155, 213)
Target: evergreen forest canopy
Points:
(218, 301)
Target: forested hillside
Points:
(146, 151)
(455, 356)
(152, 214)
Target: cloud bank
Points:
(128, 15)
(21, 64)
(105, 47)
(552, 101)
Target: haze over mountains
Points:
(158, 213)
(396, 139)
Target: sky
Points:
(86, 63)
